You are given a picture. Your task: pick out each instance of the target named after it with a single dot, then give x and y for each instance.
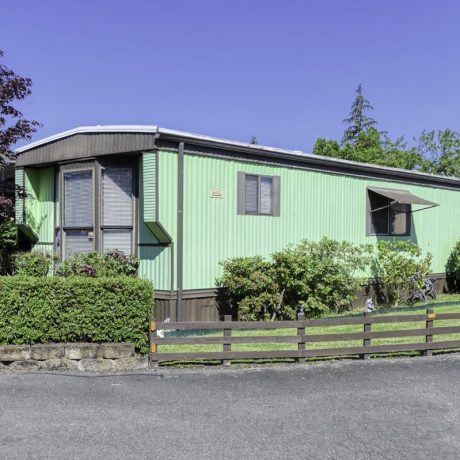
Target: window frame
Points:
(62, 228)
(96, 166)
(274, 195)
(100, 199)
(370, 227)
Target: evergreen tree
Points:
(358, 121)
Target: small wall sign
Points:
(216, 193)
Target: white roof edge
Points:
(173, 132)
(256, 147)
(90, 129)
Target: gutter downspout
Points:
(180, 232)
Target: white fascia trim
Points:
(91, 129)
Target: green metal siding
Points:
(150, 186)
(156, 261)
(313, 204)
(39, 205)
(19, 205)
(155, 265)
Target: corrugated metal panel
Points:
(313, 205)
(19, 205)
(39, 204)
(149, 178)
(87, 145)
(155, 265)
(156, 260)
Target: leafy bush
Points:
(32, 263)
(8, 234)
(252, 285)
(75, 309)
(453, 267)
(322, 276)
(396, 262)
(112, 263)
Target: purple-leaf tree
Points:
(13, 128)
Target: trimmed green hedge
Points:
(75, 309)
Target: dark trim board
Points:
(85, 145)
(180, 232)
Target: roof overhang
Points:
(89, 141)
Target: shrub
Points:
(251, 284)
(453, 267)
(322, 276)
(32, 263)
(75, 309)
(396, 262)
(8, 241)
(111, 263)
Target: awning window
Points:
(402, 197)
(389, 211)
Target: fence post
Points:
(430, 315)
(227, 346)
(301, 333)
(153, 363)
(367, 328)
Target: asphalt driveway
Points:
(398, 408)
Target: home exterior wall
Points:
(39, 206)
(313, 204)
(157, 261)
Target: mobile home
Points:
(184, 202)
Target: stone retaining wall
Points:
(89, 357)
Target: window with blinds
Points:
(78, 213)
(258, 195)
(117, 209)
(78, 199)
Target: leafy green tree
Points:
(363, 143)
(441, 150)
(358, 121)
(372, 147)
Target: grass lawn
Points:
(443, 304)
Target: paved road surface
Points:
(381, 409)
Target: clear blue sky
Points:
(284, 71)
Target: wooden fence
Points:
(305, 335)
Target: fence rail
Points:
(305, 335)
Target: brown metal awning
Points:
(402, 197)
